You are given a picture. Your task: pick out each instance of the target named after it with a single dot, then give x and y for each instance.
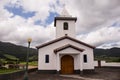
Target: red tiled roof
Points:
(67, 46)
(61, 38)
(64, 18)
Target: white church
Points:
(65, 54)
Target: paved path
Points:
(79, 77)
(100, 74)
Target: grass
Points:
(6, 71)
(108, 59)
(33, 63)
(10, 57)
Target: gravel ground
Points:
(105, 74)
(99, 74)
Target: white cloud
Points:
(110, 45)
(42, 8)
(4, 14)
(17, 30)
(94, 20)
(92, 13)
(103, 36)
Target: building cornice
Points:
(64, 18)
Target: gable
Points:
(67, 46)
(62, 38)
(68, 50)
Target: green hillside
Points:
(11, 51)
(110, 55)
(113, 52)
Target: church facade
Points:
(65, 54)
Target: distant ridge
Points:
(16, 51)
(113, 52)
(19, 52)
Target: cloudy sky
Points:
(98, 21)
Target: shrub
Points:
(13, 66)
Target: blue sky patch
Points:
(116, 24)
(48, 21)
(38, 22)
(20, 11)
(51, 17)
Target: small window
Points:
(46, 58)
(65, 26)
(85, 58)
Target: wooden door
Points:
(67, 65)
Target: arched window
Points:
(65, 26)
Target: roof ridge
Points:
(61, 38)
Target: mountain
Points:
(113, 52)
(12, 51)
(15, 52)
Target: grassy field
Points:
(108, 59)
(6, 71)
(33, 63)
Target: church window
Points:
(65, 26)
(46, 58)
(85, 58)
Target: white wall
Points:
(96, 63)
(90, 60)
(52, 65)
(61, 32)
(111, 64)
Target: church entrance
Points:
(67, 64)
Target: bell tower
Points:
(65, 24)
